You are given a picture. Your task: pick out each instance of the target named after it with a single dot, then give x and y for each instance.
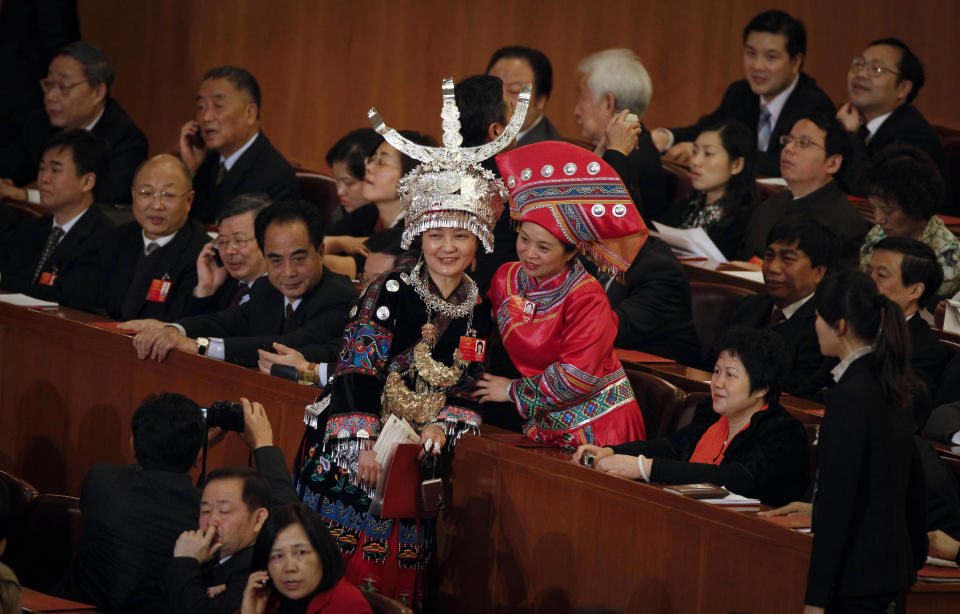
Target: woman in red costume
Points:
(554, 318)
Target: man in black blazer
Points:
(907, 272)
(613, 83)
(132, 514)
(46, 257)
(774, 46)
(653, 304)
(148, 267)
(303, 304)
(517, 66)
(77, 95)
(225, 149)
(882, 82)
(815, 151)
(800, 251)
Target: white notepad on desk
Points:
(22, 300)
(756, 276)
(688, 242)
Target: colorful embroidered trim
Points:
(347, 425)
(607, 399)
(366, 346)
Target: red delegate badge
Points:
(472, 348)
(521, 309)
(47, 278)
(159, 289)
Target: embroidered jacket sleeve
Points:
(360, 373)
(586, 359)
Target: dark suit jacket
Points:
(944, 421)
(71, 259)
(219, 300)
(131, 520)
(544, 131)
(928, 356)
(185, 580)
(868, 506)
(120, 260)
(261, 168)
(319, 319)
(905, 126)
(740, 103)
(828, 204)
(654, 306)
(128, 148)
(643, 175)
(767, 460)
(808, 370)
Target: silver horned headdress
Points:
(449, 189)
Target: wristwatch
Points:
(202, 344)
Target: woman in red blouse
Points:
(554, 318)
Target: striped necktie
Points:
(53, 239)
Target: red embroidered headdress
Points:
(576, 196)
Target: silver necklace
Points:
(437, 304)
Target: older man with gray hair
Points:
(615, 90)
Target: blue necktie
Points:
(764, 129)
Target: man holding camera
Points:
(211, 564)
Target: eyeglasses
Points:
(379, 161)
(221, 243)
(164, 197)
(801, 142)
(874, 68)
(63, 89)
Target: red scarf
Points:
(713, 443)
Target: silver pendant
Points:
(383, 312)
(392, 285)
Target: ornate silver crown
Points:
(449, 189)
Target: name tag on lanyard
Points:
(521, 309)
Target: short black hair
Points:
(919, 266)
(909, 66)
(780, 22)
(353, 149)
(256, 488)
(539, 64)
(905, 176)
(238, 78)
(287, 212)
(816, 239)
(480, 101)
(835, 141)
(763, 354)
(97, 67)
(168, 430)
(313, 525)
(244, 203)
(90, 152)
(387, 241)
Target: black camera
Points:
(228, 415)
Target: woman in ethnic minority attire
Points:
(401, 355)
(554, 318)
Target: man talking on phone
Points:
(225, 149)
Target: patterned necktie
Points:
(288, 318)
(776, 317)
(221, 171)
(764, 129)
(52, 240)
(150, 248)
(241, 295)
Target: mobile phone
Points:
(217, 260)
(196, 139)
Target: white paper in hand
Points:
(688, 242)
